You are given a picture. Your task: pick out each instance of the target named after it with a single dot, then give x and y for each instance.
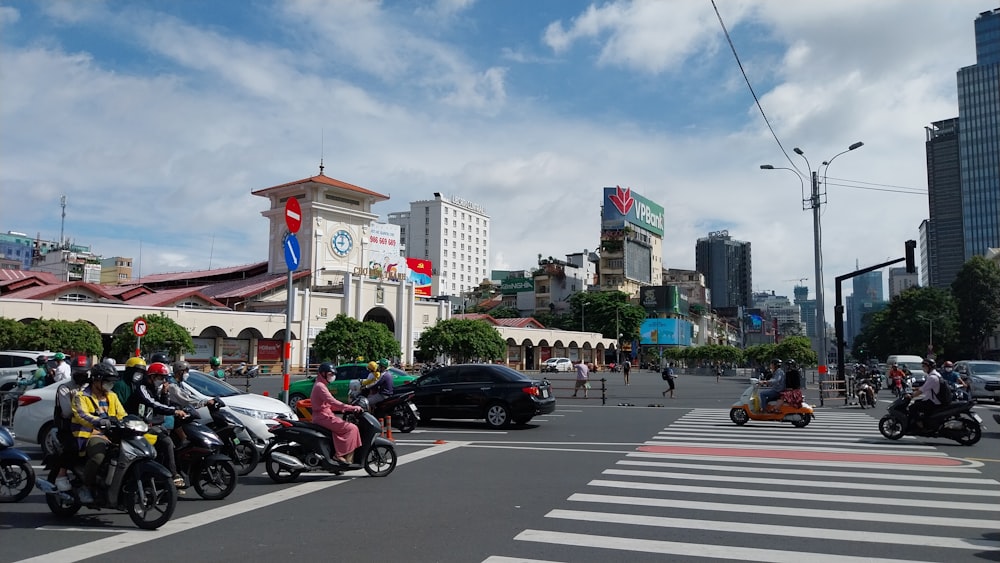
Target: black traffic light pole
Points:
(838, 309)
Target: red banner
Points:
(268, 350)
(420, 275)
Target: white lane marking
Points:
(135, 537)
(968, 466)
(813, 472)
(800, 483)
(111, 530)
(775, 530)
(445, 431)
(839, 498)
(765, 441)
(800, 512)
(501, 559)
(751, 445)
(717, 552)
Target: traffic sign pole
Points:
(293, 219)
(288, 338)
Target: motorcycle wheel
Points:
(150, 501)
(214, 480)
(890, 427)
(380, 461)
(971, 433)
(59, 507)
(407, 421)
(806, 418)
(739, 416)
(277, 472)
(17, 478)
(245, 457)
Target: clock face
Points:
(342, 243)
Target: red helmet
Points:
(158, 368)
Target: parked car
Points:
(302, 389)
(983, 376)
(15, 364)
(498, 394)
(557, 365)
(33, 418)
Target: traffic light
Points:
(911, 262)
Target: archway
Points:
(381, 315)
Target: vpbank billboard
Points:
(623, 204)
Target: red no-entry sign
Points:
(139, 327)
(293, 215)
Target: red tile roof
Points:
(171, 297)
(197, 274)
(322, 179)
(242, 289)
(53, 290)
(13, 276)
(521, 322)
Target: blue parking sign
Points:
(292, 253)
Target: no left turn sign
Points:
(139, 327)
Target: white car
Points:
(33, 418)
(557, 364)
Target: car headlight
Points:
(254, 413)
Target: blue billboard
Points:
(665, 332)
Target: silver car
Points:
(983, 377)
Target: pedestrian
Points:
(718, 372)
(626, 369)
(582, 377)
(669, 375)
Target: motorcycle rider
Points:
(775, 385)
(925, 398)
(38, 376)
(346, 436)
(62, 417)
(951, 376)
(215, 367)
(180, 396)
(380, 380)
(63, 373)
(135, 367)
(896, 376)
(149, 401)
(93, 407)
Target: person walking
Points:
(582, 379)
(669, 375)
(626, 369)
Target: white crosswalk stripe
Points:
(834, 491)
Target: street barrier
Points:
(833, 388)
(571, 386)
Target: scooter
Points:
(202, 463)
(237, 443)
(300, 446)
(17, 477)
(399, 407)
(865, 393)
(748, 408)
(129, 480)
(954, 422)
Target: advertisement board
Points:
(638, 262)
(668, 299)
(665, 332)
(204, 349)
(420, 272)
(235, 350)
(383, 249)
(511, 286)
(626, 205)
(269, 350)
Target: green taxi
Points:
(302, 389)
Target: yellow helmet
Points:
(135, 361)
(372, 366)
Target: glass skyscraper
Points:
(979, 139)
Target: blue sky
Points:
(157, 119)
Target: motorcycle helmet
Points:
(372, 367)
(104, 375)
(776, 362)
(158, 370)
(135, 361)
(40, 361)
(59, 356)
(214, 361)
(81, 377)
(110, 361)
(159, 357)
(383, 364)
(180, 368)
(327, 370)
(929, 362)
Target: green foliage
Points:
(607, 312)
(977, 294)
(761, 354)
(463, 340)
(345, 338)
(556, 321)
(77, 336)
(10, 334)
(904, 326)
(503, 312)
(163, 334)
(797, 348)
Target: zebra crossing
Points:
(834, 491)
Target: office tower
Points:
(727, 267)
(944, 232)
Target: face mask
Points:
(948, 370)
(108, 385)
(330, 377)
(158, 381)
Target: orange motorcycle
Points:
(790, 409)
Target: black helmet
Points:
(790, 364)
(159, 357)
(104, 372)
(326, 367)
(929, 362)
(40, 360)
(776, 362)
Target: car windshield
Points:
(914, 367)
(210, 386)
(985, 368)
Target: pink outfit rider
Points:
(346, 437)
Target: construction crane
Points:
(800, 280)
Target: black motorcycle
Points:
(399, 406)
(17, 477)
(303, 446)
(954, 422)
(236, 440)
(129, 480)
(201, 461)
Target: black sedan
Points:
(481, 391)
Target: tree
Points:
(904, 326)
(345, 338)
(977, 293)
(797, 348)
(10, 334)
(503, 312)
(607, 312)
(79, 337)
(463, 340)
(760, 354)
(163, 334)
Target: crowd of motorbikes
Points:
(133, 480)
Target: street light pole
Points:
(583, 308)
(930, 336)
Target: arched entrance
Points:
(381, 315)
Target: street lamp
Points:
(814, 202)
(930, 336)
(583, 308)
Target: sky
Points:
(156, 120)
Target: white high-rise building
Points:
(452, 233)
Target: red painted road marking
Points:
(806, 455)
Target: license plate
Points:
(545, 393)
(977, 417)
(412, 407)
(236, 441)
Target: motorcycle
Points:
(17, 477)
(954, 422)
(398, 406)
(201, 462)
(129, 480)
(748, 407)
(865, 393)
(237, 442)
(300, 446)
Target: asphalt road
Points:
(663, 480)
